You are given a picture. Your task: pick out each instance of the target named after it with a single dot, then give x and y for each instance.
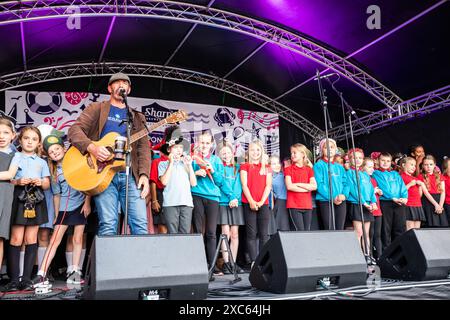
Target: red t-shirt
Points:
(154, 171)
(256, 183)
(447, 189)
(299, 200)
(377, 212)
(432, 180)
(413, 192)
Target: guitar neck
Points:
(144, 132)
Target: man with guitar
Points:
(96, 121)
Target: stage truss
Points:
(416, 107)
(20, 79)
(32, 10)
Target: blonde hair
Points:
(8, 123)
(274, 156)
(403, 161)
(262, 160)
(323, 143)
(436, 174)
(366, 160)
(303, 149)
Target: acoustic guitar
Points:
(84, 173)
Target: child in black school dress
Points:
(29, 210)
(7, 150)
(435, 183)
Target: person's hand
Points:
(437, 209)
(144, 185)
(403, 200)
(341, 197)
(187, 160)
(201, 173)
(420, 158)
(37, 182)
(368, 207)
(378, 191)
(24, 181)
(233, 203)
(99, 152)
(171, 158)
(253, 205)
(413, 183)
(260, 204)
(156, 207)
(209, 167)
(337, 201)
(86, 209)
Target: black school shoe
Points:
(11, 287)
(26, 285)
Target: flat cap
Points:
(119, 76)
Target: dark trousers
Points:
(301, 219)
(205, 214)
(394, 222)
(340, 212)
(447, 212)
(375, 236)
(256, 225)
(315, 223)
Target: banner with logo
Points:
(61, 109)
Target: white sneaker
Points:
(75, 278)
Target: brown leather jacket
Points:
(89, 125)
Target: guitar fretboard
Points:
(143, 133)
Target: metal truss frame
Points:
(71, 71)
(32, 10)
(416, 107)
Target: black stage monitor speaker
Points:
(294, 262)
(418, 254)
(169, 267)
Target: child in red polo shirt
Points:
(446, 175)
(414, 210)
(157, 188)
(434, 182)
(256, 179)
(300, 182)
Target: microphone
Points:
(325, 76)
(123, 93)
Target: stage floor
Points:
(222, 289)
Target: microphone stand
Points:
(127, 160)
(350, 112)
(324, 103)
